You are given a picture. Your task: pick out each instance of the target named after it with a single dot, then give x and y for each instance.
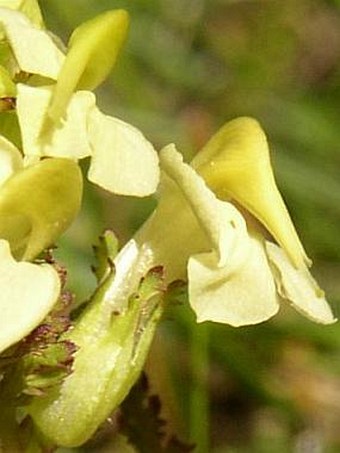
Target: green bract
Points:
(113, 336)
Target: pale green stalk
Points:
(199, 394)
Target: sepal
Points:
(112, 347)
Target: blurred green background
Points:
(187, 67)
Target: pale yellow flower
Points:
(234, 242)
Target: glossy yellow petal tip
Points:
(37, 204)
(93, 50)
(236, 164)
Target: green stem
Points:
(199, 398)
(8, 430)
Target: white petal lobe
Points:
(34, 49)
(28, 293)
(236, 295)
(298, 287)
(123, 161)
(41, 136)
